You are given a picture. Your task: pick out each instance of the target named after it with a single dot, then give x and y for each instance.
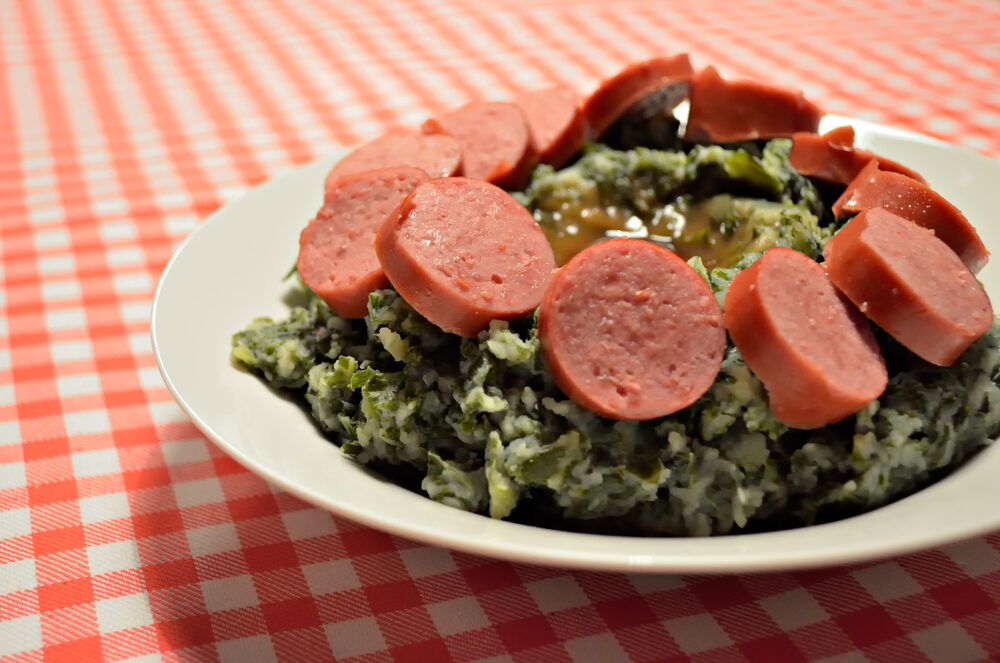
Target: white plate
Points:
(230, 270)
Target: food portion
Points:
(555, 123)
(557, 353)
(436, 154)
(337, 258)
(629, 330)
(478, 424)
(833, 157)
(910, 284)
(463, 252)
(728, 111)
(809, 345)
(715, 203)
(874, 188)
(495, 141)
(614, 96)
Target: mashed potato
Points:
(479, 425)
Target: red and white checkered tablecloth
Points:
(125, 534)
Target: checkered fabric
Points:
(124, 534)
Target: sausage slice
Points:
(910, 284)
(809, 345)
(614, 95)
(336, 252)
(436, 155)
(729, 111)
(915, 202)
(495, 142)
(834, 158)
(629, 330)
(463, 252)
(555, 123)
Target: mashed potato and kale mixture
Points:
(478, 424)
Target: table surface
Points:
(125, 534)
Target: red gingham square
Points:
(291, 614)
(64, 594)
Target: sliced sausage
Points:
(839, 137)
(614, 95)
(811, 347)
(918, 203)
(834, 158)
(555, 123)
(729, 111)
(463, 252)
(436, 155)
(629, 330)
(495, 142)
(650, 121)
(336, 251)
(910, 284)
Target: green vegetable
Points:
(285, 351)
(483, 424)
(481, 419)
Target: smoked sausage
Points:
(436, 155)
(336, 252)
(629, 330)
(555, 122)
(614, 95)
(834, 158)
(495, 141)
(810, 346)
(463, 252)
(909, 283)
(918, 203)
(724, 111)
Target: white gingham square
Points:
(229, 593)
(354, 637)
(124, 612)
(21, 634)
(15, 522)
(255, 648)
(457, 615)
(88, 421)
(17, 576)
(100, 508)
(335, 575)
(602, 648)
(12, 475)
(96, 461)
(78, 384)
(114, 556)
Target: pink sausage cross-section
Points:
(436, 155)
(630, 331)
(495, 141)
(555, 122)
(910, 284)
(809, 345)
(463, 252)
(917, 202)
(336, 250)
